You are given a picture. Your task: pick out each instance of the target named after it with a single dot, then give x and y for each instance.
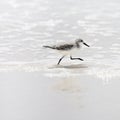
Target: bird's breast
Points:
(68, 52)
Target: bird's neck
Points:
(77, 45)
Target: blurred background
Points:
(27, 25)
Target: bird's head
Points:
(79, 41)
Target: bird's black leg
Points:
(60, 60)
(76, 58)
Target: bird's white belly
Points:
(68, 52)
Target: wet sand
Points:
(74, 91)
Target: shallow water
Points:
(32, 85)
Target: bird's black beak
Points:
(86, 44)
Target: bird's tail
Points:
(49, 47)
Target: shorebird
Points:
(68, 49)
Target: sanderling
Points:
(68, 49)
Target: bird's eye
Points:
(81, 40)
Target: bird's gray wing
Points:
(65, 47)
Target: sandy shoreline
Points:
(59, 93)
